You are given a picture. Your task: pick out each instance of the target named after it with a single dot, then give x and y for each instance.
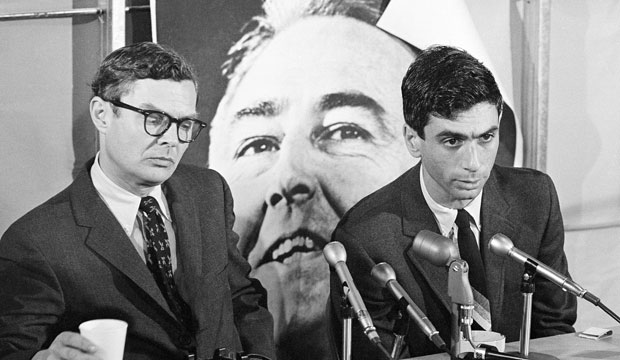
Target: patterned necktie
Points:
(468, 248)
(158, 259)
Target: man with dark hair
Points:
(452, 108)
(136, 236)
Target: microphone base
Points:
(534, 356)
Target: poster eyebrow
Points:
(267, 108)
(351, 99)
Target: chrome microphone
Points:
(441, 251)
(336, 256)
(501, 245)
(385, 276)
(437, 249)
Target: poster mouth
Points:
(286, 246)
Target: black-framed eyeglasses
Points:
(156, 122)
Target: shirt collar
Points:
(123, 204)
(446, 216)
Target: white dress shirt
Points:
(445, 217)
(124, 205)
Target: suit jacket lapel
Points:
(186, 218)
(494, 219)
(107, 238)
(416, 218)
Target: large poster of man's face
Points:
(309, 121)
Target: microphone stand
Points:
(401, 327)
(347, 319)
(462, 297)
(527, 289)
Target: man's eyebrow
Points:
(152, 107)
(457, 135)
(267, 108)
(349, 99)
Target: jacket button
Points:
(185, 340)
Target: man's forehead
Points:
(479, 119)
(176, 97)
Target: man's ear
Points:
(100, 113)
(413, 141)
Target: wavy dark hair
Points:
(145, 60)
(444, 81)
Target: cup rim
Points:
(109, 324)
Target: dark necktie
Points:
(468, 247)
(158, 259)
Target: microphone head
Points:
(334, 252)
(500, 245)
(437, 249)
(383, 273)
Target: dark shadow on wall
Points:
(86, 32)
(203, 31)
(87, 54)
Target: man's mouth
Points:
(469, 182)
(300, 241)
(163, 158)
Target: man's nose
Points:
(170, 136)
(472, 157)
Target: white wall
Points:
(36, 88)
(583, 133)
(583, 147)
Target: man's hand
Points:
(70, 346)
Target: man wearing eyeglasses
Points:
(136, 237)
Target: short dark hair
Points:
(145, 60)
(444, 81)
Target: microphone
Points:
(501, 245)
(441, 251)
(483, 351)
(385, 276)
(437, 249)
(336, 256)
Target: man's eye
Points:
(343, 131)
(257, 145)
(156, 119)
(487, 137)
(452, 142)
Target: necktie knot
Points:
(469, 250)
(148, 204)
(463, 219)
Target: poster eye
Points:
(343, 132)
(257, 145)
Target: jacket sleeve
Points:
(554, 311)
(30, 297)
(252, 319)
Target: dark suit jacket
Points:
(69, 260)
(520, 203)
